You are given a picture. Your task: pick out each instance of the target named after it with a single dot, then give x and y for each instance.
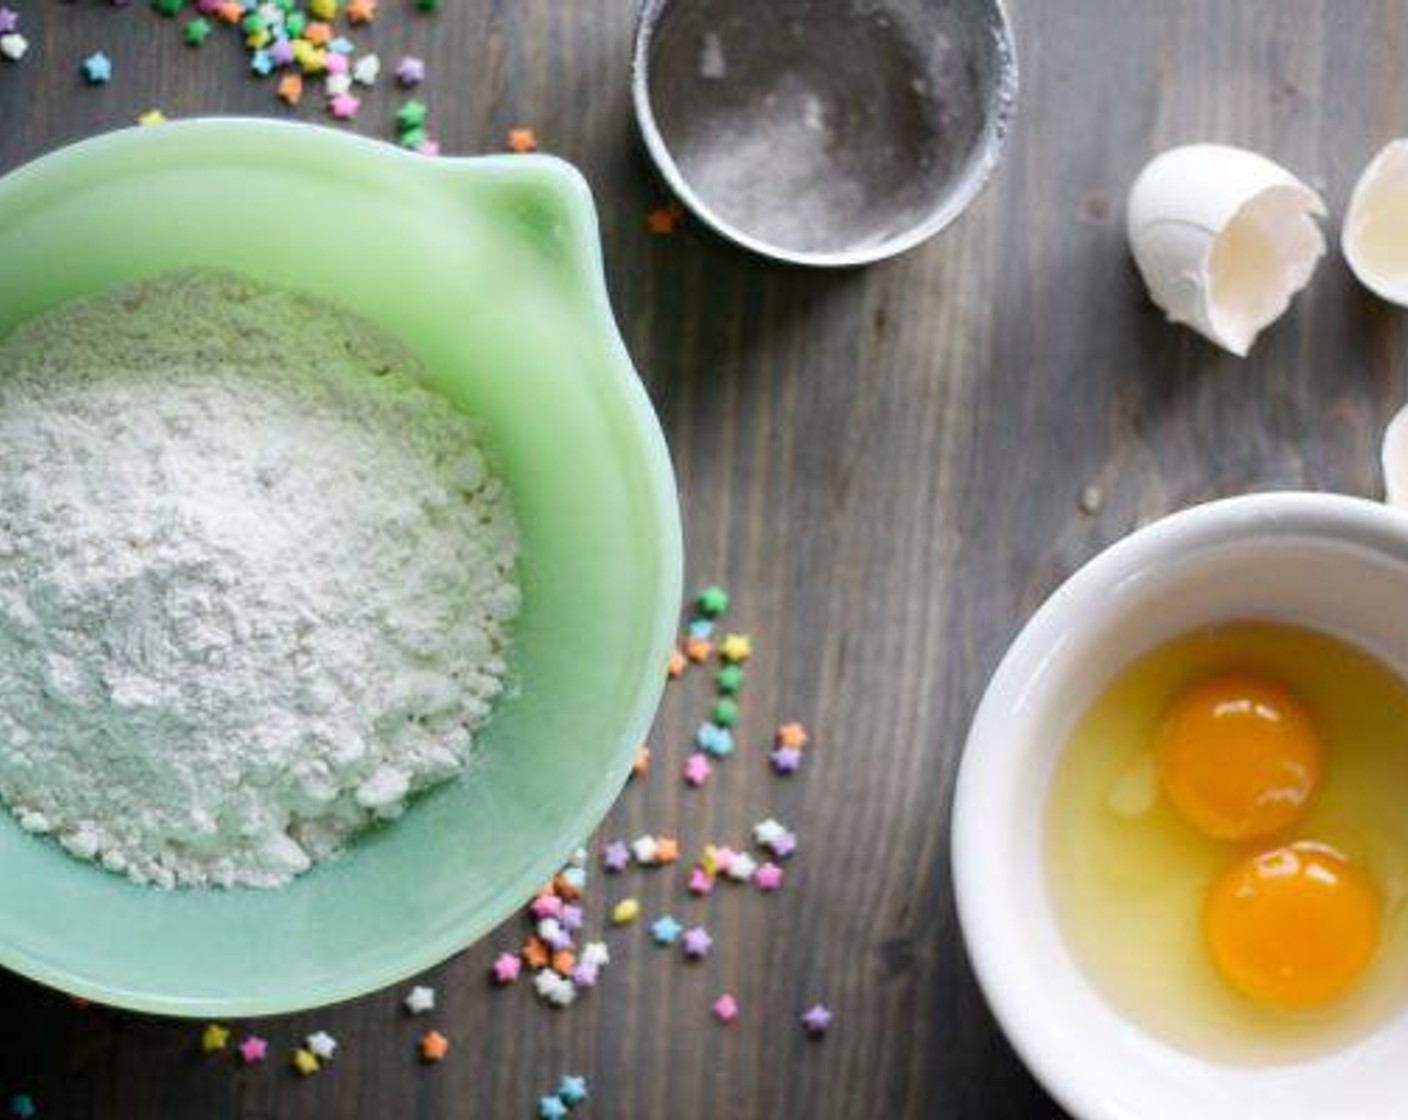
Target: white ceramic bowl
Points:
(1331, 563)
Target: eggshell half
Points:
(1395, 461)
(1223, 238)
(1375, 235)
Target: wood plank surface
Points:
(883, 466)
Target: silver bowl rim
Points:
(1001, 104)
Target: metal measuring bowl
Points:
(828, 133)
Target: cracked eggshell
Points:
(1223, 238)
(1395, 461)
(1375, 235)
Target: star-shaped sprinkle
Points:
(214, 1038)
(281, 52)
(13, 46)
(305, 1062)
(696, 943)
(337, 85)
(151, 118)
(197, 31)
(571, 918)
(791, 735)
(261, 63)
(572, 1091)
(564, 961)
(534, 953)
(596, 952)
(784, 845)
(700, 628)
(551, 1108)
(545, 905)
(665, 930)
(366, 70)
(697, 769)
(736, 649)
(585, 974)
(698, 650)
(700, 882)
(644, 849)
(337, 64)
(433, 1046)
(729, 680)
(97, 69)
(578, 858)
(506, 968)
(716, 858)
(290, 89)
(321, 1045)
(420, 999)
(22, 1107)
(410, 71)
(711, 602)
(725, 1008)
(9, 20)
(640, 765)
(724, 712)
(768, 878)
(571, 881)
(522, 140)
(663, 219)
(714, 740)
(344, 106)
(677, 664)
(817, 1020)
(555, 988)
(741, 867)
(667, 850)
(766, 831)
(786, 760)
(411, 115)
(361, 11)
(253, 1049)
(616, 855)
(625, 912)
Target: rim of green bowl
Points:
(587, 256)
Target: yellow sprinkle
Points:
(306, 1062)
(258, 40)
(322, 9)
(710, 860)
(736, 648)
(151, 118)
(213, 1038)
(625, 912)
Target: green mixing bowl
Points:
(491, 270)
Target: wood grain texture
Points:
(883, 466)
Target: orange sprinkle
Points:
(665, 219)
(563, 961)
(698, 650)
(433, 1046)
(361, 11)
(792, 735)
(535, 953)
(640, 767)
(230, 12)
(678, 661)
(667, 849)
(522, 140)
(291, 89)
(565, 890)
(318, 33)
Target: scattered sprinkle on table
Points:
(700, 882)
(667, 850)
(712, 602)
(665, 930)
(741, 867)
(714, 740)
(551, 1108)
(792, 735)
(97, 69)
(644, 849)
(197, 31)
(615, 856)
(736, 649)
(9, 20)
(640, 765)
(253, 1049)
(214, 1038)
(786, 760)
(433, 1046)
(696, 943)
(13, 46)
(321, 1045)
(768, 878)
(572, 1090)
(697, 769)
(677, 665)
(663, 220)
(521, 140)
(344, 106)
(729, 680)
(361, 11)
(725, 1009)
(420, 999)
(625, 912)
(410, 72)
(22, 1107)
(698, 650)
(305, 1062)
(817, 1020)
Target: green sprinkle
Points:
(413, 137)
(169, 8)
(197, 31)
(729, 679)
(712, 602)
(253, 24)
(295, 24)
(411, 116)
(725, 712)
(428, 5)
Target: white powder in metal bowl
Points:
(255, 581)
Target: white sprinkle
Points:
(13, 46)
(420, 1000)
(644, 849)
(322, 1045)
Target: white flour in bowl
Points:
(255, 581)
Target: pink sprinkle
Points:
(723, 857)
(208, 7)
(697, 769)
(428, 147)
(506, 968)
(546, 906)
(768, 877)
(700, 882)
(253, 1049)
(726, 1008)
(335, 63)
(344, 106)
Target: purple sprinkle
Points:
(9, 20)
(616, 856)
(785, 760)
(559, 941)
(410, 72)
(281, 52)
(585, 975)
(784, 845)
(697, 942)
(571, 918)
(817, 1020)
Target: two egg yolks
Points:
(1294, 927)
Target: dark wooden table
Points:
(883, 466)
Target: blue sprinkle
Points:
(714, 740)
(666, 930)
(551, 1108)
(22, 1105)
(701, 628)
(97, 69)
(261, 63)
(342, 45)
(572, 1091)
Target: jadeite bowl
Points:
(491, 270)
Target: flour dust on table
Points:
(256, 580)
